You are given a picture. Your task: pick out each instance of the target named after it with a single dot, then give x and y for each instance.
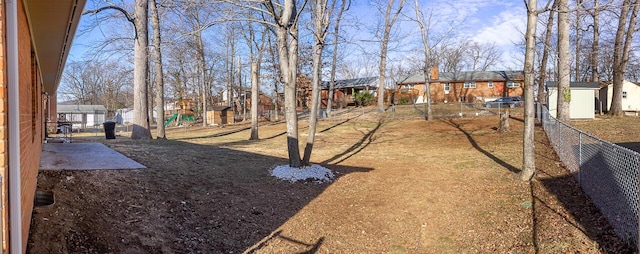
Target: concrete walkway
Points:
(83, 156)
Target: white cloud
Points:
(505, 30)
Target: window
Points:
(469, 84)
(446, 88)
(624, 94)
(490, 84)
(409, 86)
(513, 84)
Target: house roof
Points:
(53, 25)
(466, 76)
(81, 109)
(220, 108)
(585, 85)
(352, 83)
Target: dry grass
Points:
(404, 186)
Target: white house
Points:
(630, 96)
(583, 99)
(82, 116)
(125, 116)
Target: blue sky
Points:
(486, 21)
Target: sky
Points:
(485, 21)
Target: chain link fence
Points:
(607, 172)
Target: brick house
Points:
(464, 86)
(35, 37)
(346, 89)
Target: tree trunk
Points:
(621, 50)
(319, 38)
(255, 91)
(528, 147)
(577, 76)
(427, 56)
(389, 21)
(564, 63)
(286, 33)
(159, 77)
(542, 91)
(595, 45)
(334, 58)
(141, 73)
(504, 122)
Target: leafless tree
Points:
(321, 24)
(285, 17)
(564, 62)
(528, 151)
(542, 96)
(622, 47)
(483, 55)
(97, 81)
(139, 18)
(344, 6)
(595, 43)
(256, 46)
(159, 75)
(390, 17)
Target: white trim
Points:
(13, 100)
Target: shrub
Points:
(364, 98)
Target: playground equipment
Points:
(183, 113)
(179, 118)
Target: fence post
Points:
(580, 158)
(558, 123)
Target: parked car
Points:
(512, 102)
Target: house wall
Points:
(582, 105)
(31, 121)
(632, 102)
(4, 157)
(457, 93)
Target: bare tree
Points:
(139, 18)
(334, 59)
(321, 24)
(622, 47)
(256, 51)
(389, 21)
(159, 75)
(542, 96)
(564, 63)
(96, 81)
(528, 150)
(426, 70)
(596, 41)
(483, 56)
(285, 16)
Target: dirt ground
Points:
(403, 186)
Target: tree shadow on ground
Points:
(576, 205)
(191, 198)
(475, 145)
(356, 148)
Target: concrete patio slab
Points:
(83, 156)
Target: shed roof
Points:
(583, 85)
(220, 108)
(81, 109)
(353, 83)
(467, 76)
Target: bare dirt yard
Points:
(402, 186)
